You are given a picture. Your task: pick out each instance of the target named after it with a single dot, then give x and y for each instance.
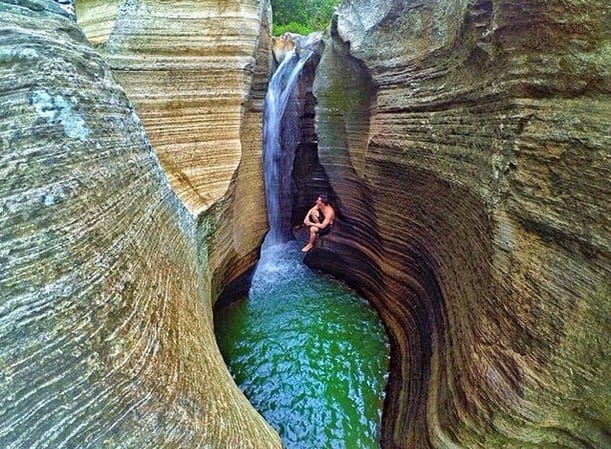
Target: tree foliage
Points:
(302, 16)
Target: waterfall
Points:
(297, 329)
(279, 149)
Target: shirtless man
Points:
(314, 223)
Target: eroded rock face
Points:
(106, 278)
(196, 72)
(468, 143)
(281, 45)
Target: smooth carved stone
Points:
(196, 72)
(189, 70)
(468, 143)
(106, 278)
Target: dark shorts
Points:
(325, 230)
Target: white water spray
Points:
(278, 158)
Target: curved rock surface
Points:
(469, 145)
(199, 91)
(106, 278)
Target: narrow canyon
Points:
(465, 144)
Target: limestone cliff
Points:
(469, 144)
(106, 278)
(196, 72)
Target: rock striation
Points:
(107, 270)
(196, 73)
(469, 144)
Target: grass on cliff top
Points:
(301, 16)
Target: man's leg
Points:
(310, 244)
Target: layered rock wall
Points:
(468, 142)
(196, 72)
(106, 278)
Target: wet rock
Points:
(281, 45)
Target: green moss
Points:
(346, 88)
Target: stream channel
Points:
(310, 354)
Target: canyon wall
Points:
(468, 143)
(196, 72)
(108, 269)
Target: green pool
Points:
(310, 354)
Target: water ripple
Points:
(309, 354)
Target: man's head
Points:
(323, 198)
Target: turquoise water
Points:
(310, 354)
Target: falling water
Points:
(278, 154)
(310, 355)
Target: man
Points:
(319, 220)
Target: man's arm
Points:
(328, 218)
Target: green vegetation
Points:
(301, 16)
(291, 27)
